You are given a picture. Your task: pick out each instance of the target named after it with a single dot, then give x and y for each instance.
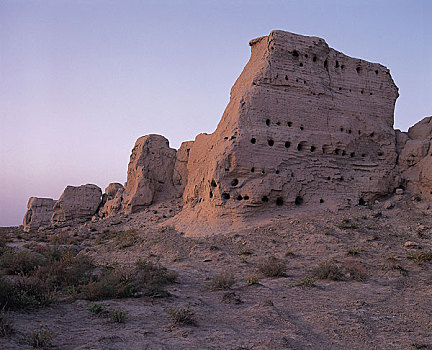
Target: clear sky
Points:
(80, 81)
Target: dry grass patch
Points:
(272, 267)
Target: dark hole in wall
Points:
(337, 64)
(352, 154)
(297, 80)
(278, 123)
(226, 195)
(252, 169)
(279, 201)
(211, 194)
(234, 182)
(253, 140)
(359, 132)
(340, 88)
(270, 142)
(301, 64)
(295, 53)
(376, 72)
(343, 153)
(267, 122)
(370, 93)
(263, 171)
(226, 138)
(342, 66)
(277, 171)
(336, 151)
(286, 77)
(325, 64)
(246, 198)
(362, 91)
(380, 154)
(314, 58)
(306, 55)
(287, 144)
(299, 147)
(321, 200)
(341, 129)
(349, 131)
(328, 178)
(372, 134)
(239, 197)
(358, 69)
(290, 124)
(363, 155)
(302, 128)
(312, 149)
(298, 200)
(213, 183)
(265, 199)
(361, 201)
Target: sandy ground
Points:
(390, 309)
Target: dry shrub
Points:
(224, 280)
(272, 267)
(182, 316)
(356, 271)
(328, 270)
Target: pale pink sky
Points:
(80, 81)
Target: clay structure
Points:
(306, 126)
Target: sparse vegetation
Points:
(421, 257)
(245, 251)
(118, 315)
(224, 280)
(306, 282)
(272, 267)
(349, 224)
(96, 309)
(6, 328)
(41, 338)
(328, 270)
(354, 251)
(126, 239)
(182, 316)
(252, 279)
(356, 272)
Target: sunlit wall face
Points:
(81, 80)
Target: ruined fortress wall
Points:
(305, 125)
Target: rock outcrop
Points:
(112, 200)
(305, 125)
(180, 174)
(150, 173)
(38, 214)
(77, 203)
(415, 160)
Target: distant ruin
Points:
(305, 126)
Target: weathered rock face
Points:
(112, 200)
(305, 125)
(150, 173)
(415, 160)
(180, 174)
(77, 203)
(38, 214)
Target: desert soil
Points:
(388, 307)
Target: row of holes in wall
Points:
(362, 91)
(279, 200)
(296, 54)
(301, 127)
(325, 149)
